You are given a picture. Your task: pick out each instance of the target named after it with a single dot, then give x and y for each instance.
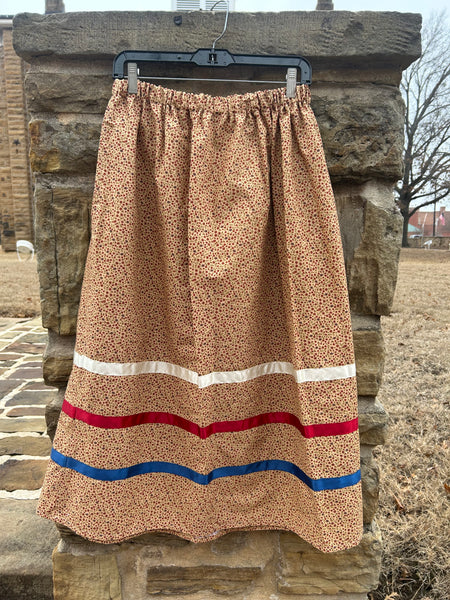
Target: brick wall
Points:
(15, 180)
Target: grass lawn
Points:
(414, 513)
(19, 289)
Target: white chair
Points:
(25, 250)
(428, 244)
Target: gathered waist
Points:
(262, 99)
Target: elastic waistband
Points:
(261, 99)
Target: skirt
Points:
(213, 387)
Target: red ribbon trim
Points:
(307, 431)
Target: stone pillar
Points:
(15, 177)
(357, 63)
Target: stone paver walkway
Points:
(26, 540)
(24, 446)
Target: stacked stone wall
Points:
(357, 63)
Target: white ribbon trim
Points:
(202, 381)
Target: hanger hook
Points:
(213, 47)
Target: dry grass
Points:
(414, 510)
(415, 486)
(19, 289)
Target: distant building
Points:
(421, 223)
(16, 205)
(16, 212)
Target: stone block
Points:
(222, 581)
(369, 353)
(21, 374)
(369, 356)
(364, 39)
(85, 89)
(30, 445)
(305, 570)
(58, 358)
(30, 398)
(350, 210)
(18, 424)
(236, 565)
(371, 229)
(85, 577)
(64, 145)
(373, 421)
(62, 241)
(362, 130)
(26, 546)
(26, 347)
(22, 474)
(52, 412)
(7, 385)
(370, 480)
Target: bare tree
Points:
(426, 90)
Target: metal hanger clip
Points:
(212, 58)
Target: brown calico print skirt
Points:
(213, 386)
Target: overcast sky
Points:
(10, 7)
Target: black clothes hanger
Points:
(211, 58)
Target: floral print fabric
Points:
(213, 386)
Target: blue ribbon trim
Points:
(317, 485)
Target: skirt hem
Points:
(196, 540)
